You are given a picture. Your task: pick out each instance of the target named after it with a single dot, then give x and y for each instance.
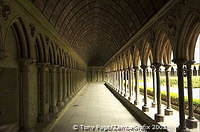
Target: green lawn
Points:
(174, 81)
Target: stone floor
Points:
(96, 106)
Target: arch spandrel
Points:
(188, 37)
(145, 51)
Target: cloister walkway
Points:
(94, 105)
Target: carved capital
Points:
(152, 67)
(167, 66)
(190, 62)
(157, 66)
(179, 61)
(144, 67)
(2, 54)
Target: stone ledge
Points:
(140, 116)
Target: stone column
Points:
(43, 92)
(125, 85)
(129, 83)
(182, 126)
(191, 122)
(64, 97)
(154, 86)
(25, 92)
(168, 110)
(72, 81)
(122, 81)
(159, 117)
(116, 79)
(132, 82)
(136, 88)
(69, 83)
(112, 77)
(144, 107)
(60, 102)
(53, 106)
(119, 81)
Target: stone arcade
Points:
(51, 49)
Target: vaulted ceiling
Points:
(97, 29)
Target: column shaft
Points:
(191, 122)
(129, 83)
(168, 110)
(144, 107)
(136, 73)
(53, 106)
(154, 86)
(180, 71)
(158, 117)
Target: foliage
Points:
(174, 99)
(174, 82)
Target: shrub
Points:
(174, 81)
(174, 99)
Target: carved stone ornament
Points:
(5, 10)
(32, 28)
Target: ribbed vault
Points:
(97, 29)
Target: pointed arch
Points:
(189, 35)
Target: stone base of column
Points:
(27, 129)
(153, 104)
(191, 123)
(168, 111)
(43, 118)
(159, 117)
(136, 102)
(53, 109)
(66, 100)
(145, 108)
(60, 104)
(179, 129)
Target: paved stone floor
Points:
(94, 105)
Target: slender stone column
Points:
(53, 106)
(119, 81)
(159, 117)
(125, 85)
(122, 81)
(113, 78)
(191, 122)
(136, 88)
(132, 82)
(60, 87)
(154, 86)
(69, 83)
(64, 97)
(72, 81)
(182, 126)
(43, 93)
(168, 110)
(116, 79)
(129, 83)
(144, 107)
